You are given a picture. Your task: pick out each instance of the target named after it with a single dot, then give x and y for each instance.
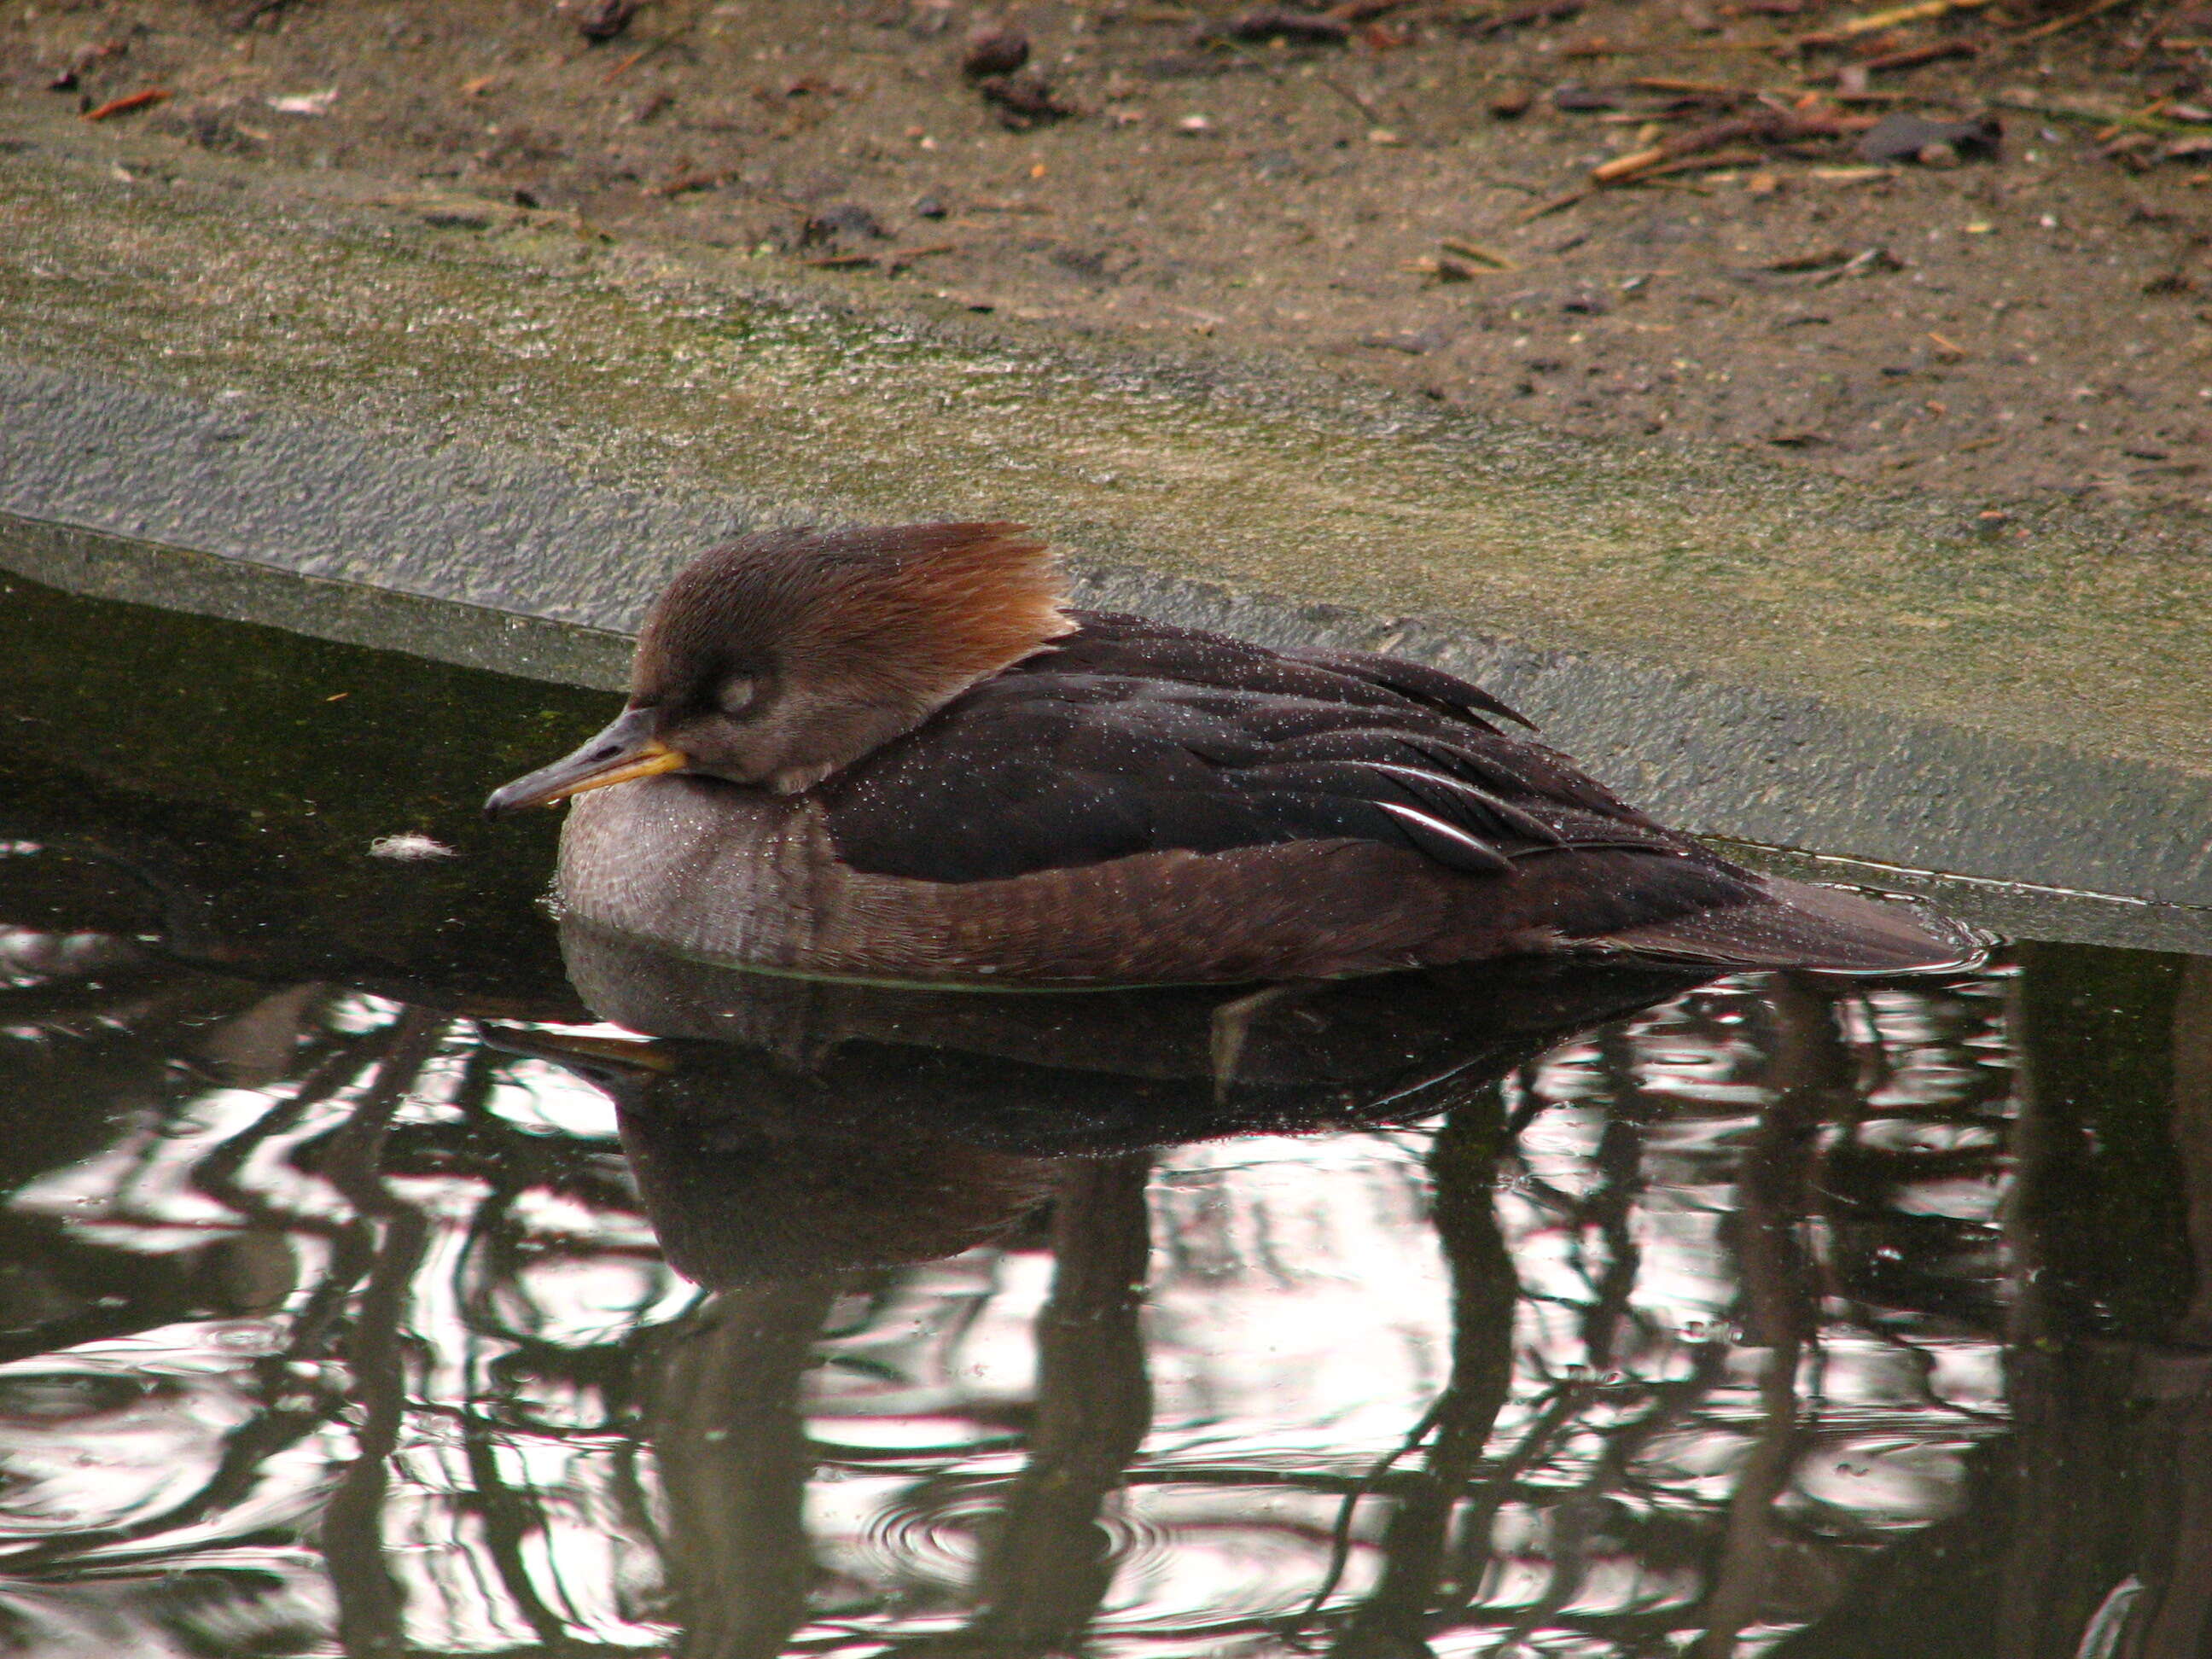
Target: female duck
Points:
(896, 754)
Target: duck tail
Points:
(1795, 924)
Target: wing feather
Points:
(1128, 738)
(1448, 844)
(1462, 793)
(1424, 684)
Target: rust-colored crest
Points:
(950, 604)
(921, 610)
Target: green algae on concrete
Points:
(495, 407)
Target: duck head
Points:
(777, 660)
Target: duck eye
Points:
(735, 696)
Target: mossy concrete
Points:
(497, 407)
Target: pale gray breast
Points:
(701, 868)
(743, 876)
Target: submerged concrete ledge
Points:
(494, 410)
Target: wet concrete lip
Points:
(533, 431)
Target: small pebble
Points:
(1901, 137)
(603, 20)
(994, 49)
(1025, 99)
(842, 220)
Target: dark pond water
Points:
(382, 1273)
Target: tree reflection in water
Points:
(1781, 1315)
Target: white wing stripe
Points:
(1483, 851)
(1532, 827)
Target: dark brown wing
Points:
(1132, 739)
(1113, 642)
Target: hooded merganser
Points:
(898, 755)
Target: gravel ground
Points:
(1396, 191)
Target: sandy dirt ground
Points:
(1400, 191)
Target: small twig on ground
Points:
(1359, 101)
(2060, 25)
(1691, 89)
(1742, 157)
(2105, 135)
(1700, 163)
(1852, 78)
(897, 259)
(683, 181)
(1913, 56)
(1772, 129)
(129, 101)
(1867, 260)
(628, 63)
(1558, 204)
(1872, 22)
(1532, 11)
(1475, 251)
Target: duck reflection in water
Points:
(787, 1135)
